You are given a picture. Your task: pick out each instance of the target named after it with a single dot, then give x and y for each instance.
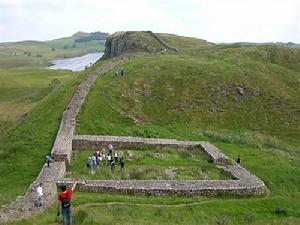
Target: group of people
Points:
(112, 157)
(121, 73)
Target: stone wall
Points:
(62, 148)
(24, 206)
(170, 187)
(93, 142)
(244, 183)
(161, 41)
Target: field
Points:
(243, 99)
(151, 164)
(32, 100)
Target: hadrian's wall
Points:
(24, 206)
(62, 149)
(244, 183)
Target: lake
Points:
(76, 63)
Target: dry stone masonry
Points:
(243, 182)
(24, 206)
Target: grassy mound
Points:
(229, 90)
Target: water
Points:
(76, 63)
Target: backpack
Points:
(65, 203)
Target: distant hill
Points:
(13, 54)
(288, 44)
(91, 37)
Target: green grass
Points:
(13, 54)
(272, 166)
(188, 95)
(32, 102)
(183, 96)
(179, 164)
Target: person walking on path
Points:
(65, 203)
(49, 160)
(122, 72)
(39, 190)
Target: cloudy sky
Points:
(213, 20)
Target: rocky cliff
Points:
(133, 41)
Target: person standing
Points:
(122, 163)
(116, 157)
(39, 191)
(238, 160)
(65, 203)
(122, 72)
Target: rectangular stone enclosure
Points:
(244, 183)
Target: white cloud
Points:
(214, 20)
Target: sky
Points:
(214, 20)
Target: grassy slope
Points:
(194, 96)
(32, 100)
(12, 54)
(141, 104)
(187, 95)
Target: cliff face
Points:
(133, 41)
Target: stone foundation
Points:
(244, 183)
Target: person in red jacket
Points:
(65, 203)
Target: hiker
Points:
(98, 160)
(117, 73)
(122, 163)
(116, 156)
(65, 203)
(89, 165)
(122, 72)
(112, 165)
(110, 149)
(49, 160)
(94, 160)
(39, 191)
(238, 160)
(109, 160)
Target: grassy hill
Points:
(244, 99)
(28, 124)
(14, 54)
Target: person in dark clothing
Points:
(122, 72)
(112, 165)
(122, 163)
(238, 160)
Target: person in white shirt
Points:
(39, 191)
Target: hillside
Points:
(14, 54)
(243, 99)
(148, 42)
